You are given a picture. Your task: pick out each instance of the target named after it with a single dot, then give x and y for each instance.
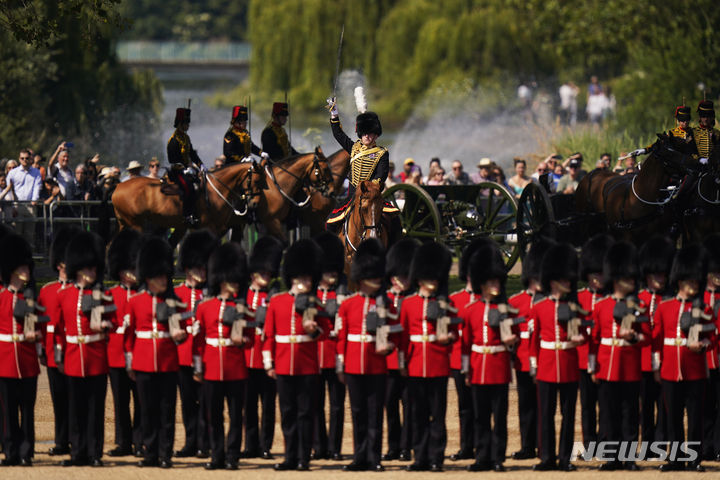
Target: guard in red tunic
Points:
(195, 250)
(218, 351)
(428, 354)
(397, 275)
(121, 260)
(19, 367)
(57, 381)
(526, 388)
(487, 357)
(290, 351)
(360, 364)
(711, 297)
(621, 329)
(655, 258)
(591, 270)
(82, 345)
(264, 266)
(151, 351)
(327, 442)
(683, 371)
(554, 357)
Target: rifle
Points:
(307, 305)
(92, 304)
(501, 318)
(440, 310)
(376, 322)
(629, 312)
(166, 312)
(692, 322)
(25, 311)
(570, 313)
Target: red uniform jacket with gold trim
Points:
(121, 318)
(18, 358)
(651, 300)
(190, 297)
(587, 300)
(328, 347)
(487, 367)
(393, 360)
(253, 352)
(462, 299)
(711, 299)
(522, 301)
(48, 298)
(158, 353)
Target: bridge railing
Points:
(183, 52)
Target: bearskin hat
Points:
(533, 260)
(239, 114)
(280, 108)
(182, 115)
(195, 249)
(620, 262)
(302, 258)
(266, 256)
(369, 260)
(713, 252)
(467, 254)
(59, 244)
(559, 263)
(333, 253)
(399, 257)
(592, 254)
(690, 263)
(123, 252)
(227, 263)
(706, 109)
(154, 259)
(682, 113)
(656, 255)
(368, 122)
(431, 261)
(486, 264)
(16, 253)
(85, 250)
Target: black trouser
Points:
(399, 436)
(127, 432)
(17, 400)
(490, 441)
(260, 386)
(157, 412)
(367, 395)
(216, 393)
(194, 413)
(619, 410)
(653, 427)
(527, 410)
(87, 416)
(429, 397)
(297, 395)
(678, 397)
(465, 411)
(329, 440)
(588, 408)
(187, 189)
(547, 404)
(711, 420)
(61, 409)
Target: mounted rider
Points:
(682, 129)
(704, 133)
(274, 137)
(184, 163)
(237, 144)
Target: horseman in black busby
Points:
(184, 163)
(274, 137)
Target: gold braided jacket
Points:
(282, 137)
(703, 140)
(183, 140)
(243, 137)
(363, 166)
(679, 132)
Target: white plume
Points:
(360, 101)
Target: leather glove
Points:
(639, 151)
(332, 106)
(703, 161)
(264, 155)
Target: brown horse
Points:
(320, 207)
(701, 201)
(140, 204)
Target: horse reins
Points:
(232, 207)
(365, 228)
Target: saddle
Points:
(171, 188)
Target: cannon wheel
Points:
(498, 210)
(535, 215)
(419, 216)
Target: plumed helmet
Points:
(712, 248)
(559, 263)
(182, 115)
(620, 262)
(302, 258)
(399, 257)
(154, 259)
(266, 256)
(431, 261)
(59, 244)
(85, 250)
(533, 260)
(239, 114)
(123, 252)
(16, 252)
(486, 264)
(280, 108)
(690, 263)
(368, 122)
(333, 253)
(656, 255)
(369, 260)
(468, 252)
(227, 263)
(195, 249)
(593, 252)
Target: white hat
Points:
(134, 164)
(485, 162)
(105, 172)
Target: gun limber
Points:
(629, 312)
(500, 318)
(25, 311)
(692, 322)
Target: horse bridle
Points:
(377, 227)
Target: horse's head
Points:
(369, 205)
(676, 155)
(320, 176)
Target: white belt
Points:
(615, 342)
(293, 338)
(675, 342)
(75, 339)
(18, 337)
(218, 342)
(488, 348)
(362, 338)
(423, 338)
(557, 345)
(51, 329)
(525, 335)
(148, 334)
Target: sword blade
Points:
(339, 56)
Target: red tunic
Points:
(121, 318)
(587, 300)
(190, 297)
(147, 339)
(652, 300)
(393, 360)
(617, 359)
(711, 299)
(222, 361)
(678, 362)
(489, 358)
(18, 358)
(327, 347)
(85, 350)
(355, 346)
(425, 356)
(48, 298)
(253, 353)
(556, 356)
(461, 298)
(287, 346)
(523, 301)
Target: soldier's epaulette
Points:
(468, 305)
(270, 297)
(583, 289)
(523, 292)
(665, 300)
(539, 297)
(138, 293)
(49, 284)
(457, 292)
(207, 299)
(410, 296)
